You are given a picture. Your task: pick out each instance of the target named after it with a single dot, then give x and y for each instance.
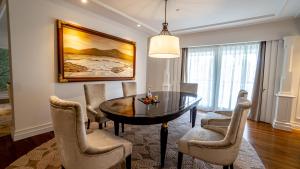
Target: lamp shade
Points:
(164, 46)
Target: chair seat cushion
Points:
(200, 134)
(213, 115)
(217, 119)
(101, 138)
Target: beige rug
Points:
(146, 152)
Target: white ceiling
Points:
(193, 15)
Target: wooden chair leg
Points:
(100, 126)
(225, 167)
(231, 166)
(122, 127)
(179, 162)
(104, 124)
(88, 124)
(128, 162)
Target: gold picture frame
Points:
(88, 55)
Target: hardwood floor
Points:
(277, 149)
(10, 151)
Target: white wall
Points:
(287, 115)
(258, 32)
(34, 63)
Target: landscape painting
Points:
(88, 55)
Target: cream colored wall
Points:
(295, 119)
(34, 59)
(258, 32)
(287, 116)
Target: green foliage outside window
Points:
(4, 69)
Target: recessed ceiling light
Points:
(84, 1)
(138, 25)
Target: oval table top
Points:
(131, 110)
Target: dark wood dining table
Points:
(130, 110)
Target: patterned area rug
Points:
(146, 151)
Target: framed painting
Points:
(88, 55)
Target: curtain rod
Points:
(220, 44)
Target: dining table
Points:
(169, 106)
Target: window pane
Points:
(221, 71)
(201, 71)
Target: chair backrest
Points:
(129, 88)
(242, 93)
(238, 121)
(68, 125)
(94, 94)
(189, 88)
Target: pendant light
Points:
(164, 45)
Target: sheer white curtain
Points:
(200, 69)
(221, 71)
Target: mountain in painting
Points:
(115, 53)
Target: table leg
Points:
(122, 127)
(116, 124)
(191, 115)
(194, 115)
(163, 143)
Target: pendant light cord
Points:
(165, 24)
(166, 11)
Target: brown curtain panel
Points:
(184, 59)
(258, 84)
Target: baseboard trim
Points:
(296, 126)
(32, 131)
(282, 125)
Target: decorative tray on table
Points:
(148, 100)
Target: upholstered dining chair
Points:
(129, 88)
(215, 144)
(94, 96)
(223, 116)
(79, 150)
(189, 88)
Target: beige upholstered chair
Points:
(215, 144)
(189, 88)
(129, 88)
(96, 150)
(94, 96)
(223, 117)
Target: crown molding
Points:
(125, 15)
(222, 24)
(238, 22)
(282, 7)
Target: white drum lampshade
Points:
(164, 46)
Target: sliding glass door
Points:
(221, 71)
